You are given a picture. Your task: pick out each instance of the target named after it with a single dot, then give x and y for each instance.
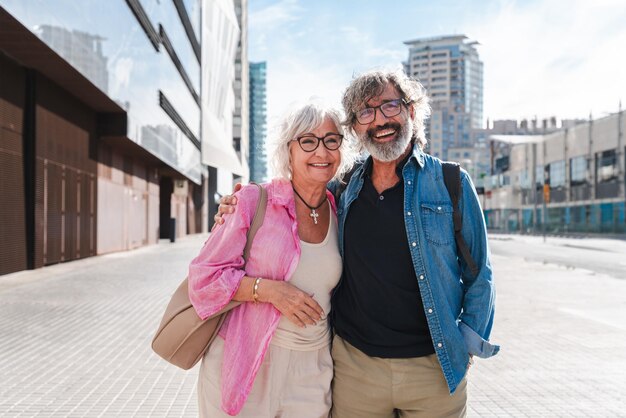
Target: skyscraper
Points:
(452, 73)
(258, 122)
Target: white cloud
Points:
(543, 58)
(395, 55)
(275, 15)
(557, 58)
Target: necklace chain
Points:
(313, 209)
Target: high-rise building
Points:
(451, 71)
(241, 129)
(220, 37)
(112, 116)
(258, 122)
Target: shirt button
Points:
(439, 345)
(408, 182)
(382, 197)
(414, 244)
(408, 213)
(421, 277)
(430, 311)
(439, 208)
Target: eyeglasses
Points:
(389, 109)
(310, 142)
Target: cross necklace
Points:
(313, 213)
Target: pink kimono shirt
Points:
(215, 275)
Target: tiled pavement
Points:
(75, 341)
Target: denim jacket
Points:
(459, 308)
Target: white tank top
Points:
(317, 273)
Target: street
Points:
(596, 255)
(76, 336)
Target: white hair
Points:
(302, 119)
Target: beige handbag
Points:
(183, 338)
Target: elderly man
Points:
(408, 313)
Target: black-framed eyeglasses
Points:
(390, 109)
(310, 142)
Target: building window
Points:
(524, 180)
(557, 174)
(606, 166)
(579, 170)
(539, 175)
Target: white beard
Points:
(389, 151)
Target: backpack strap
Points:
(452, 180)
(345, 179)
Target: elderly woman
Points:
(273, 357)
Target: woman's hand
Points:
(296, 305)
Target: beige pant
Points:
(289, 384)
(375, 387)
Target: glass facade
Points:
(258, 121)
(591, 218)
(107, 44)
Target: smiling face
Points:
(386, 138)
(318, 166)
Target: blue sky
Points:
(542, 58)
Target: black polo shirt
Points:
(377, 307)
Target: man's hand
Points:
(227, 205)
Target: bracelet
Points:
(255, 289)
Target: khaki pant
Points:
(376, 387)
(289, 384)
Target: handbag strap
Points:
(257, 221)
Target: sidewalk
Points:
(76, 337)
(75, 340)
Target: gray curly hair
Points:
(373, 83)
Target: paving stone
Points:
(75, 340)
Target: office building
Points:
(570, 180)
(258, 122)
(241, 127)
(451, 71)
(100, 118)
(220, 38)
